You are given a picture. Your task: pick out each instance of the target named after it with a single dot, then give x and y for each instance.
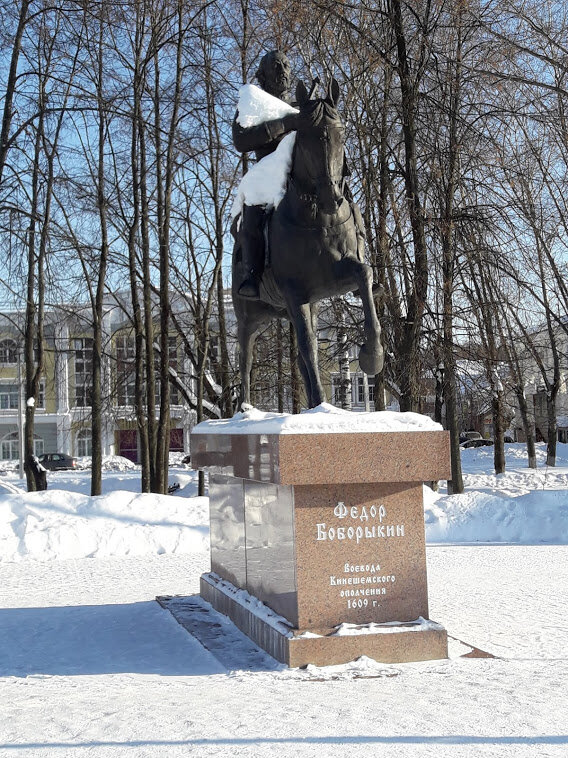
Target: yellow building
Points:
(62, 417)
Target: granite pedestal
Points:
(326, 530)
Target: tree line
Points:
(117, 173)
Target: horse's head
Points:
(319, 158)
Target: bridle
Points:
(310, 195)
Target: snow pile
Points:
(117, 463)
(58, 525)
(522, 506)
(256, 106)
(363, 667)
(109, 463)
(390, 627)
(265, 182)
(476, 516)
(9, 466)
(177, 459)
(8, 486)
(325, 419)
(480, 459)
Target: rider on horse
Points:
(273, 76)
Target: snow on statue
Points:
(264, 184)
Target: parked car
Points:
(57, 461)
(465, 436)
(478, 442)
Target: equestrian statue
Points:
(304, 241)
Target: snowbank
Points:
(109, 463)
(522, 506)
(59, 525)
(476, 516)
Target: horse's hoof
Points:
(371, 361)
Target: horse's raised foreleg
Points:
(303, 318)
(305, 377)
(246, 337)
(371, 355)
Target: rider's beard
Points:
(278, 87)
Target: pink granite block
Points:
(325, 458)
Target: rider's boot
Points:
(249, 288)
(252, 246)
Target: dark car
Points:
(476, 443)
(471, 435)
(57, 461)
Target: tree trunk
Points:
(97, 398)
(528, 428)
(150, 439)
(164, 208)
(30, 330)
(409, 358)
(225, 402)
(133, 265)
(552, 436)
(499, 432)
(10, 90)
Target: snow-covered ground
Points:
(90, 664)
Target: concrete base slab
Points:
(420, 640)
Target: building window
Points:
(336, 390)
(263, 393)
(214, 350)
(10, 448)
(361, 391)
(84, 443)
(83, 348)
(128, 444)
(41, 395)
(539, 400)
(176, 440)
(172, 364)
(9, 397)
(125, 371)
(8, 352)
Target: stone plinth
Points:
(325, 529)
(420, 640)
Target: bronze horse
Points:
(312, 250)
